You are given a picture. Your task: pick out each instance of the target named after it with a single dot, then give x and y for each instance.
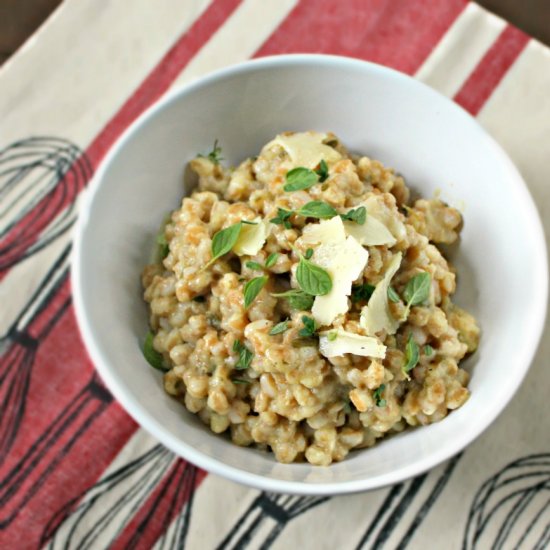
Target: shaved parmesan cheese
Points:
(335, 343)
(377, 208)
(326, 232)
(372, 233)
(376, 316)
(306, 148)
(251, 238)
(344, 261)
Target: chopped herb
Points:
(271, 259)
(317, 209)
(393, 296)
(313, 279)
(412, 354)
(300, 178)
(331, 336)
(252, 289)
(360, 293)
(223, 241)
(428, 350)
(245, 355)
(279, 328)
(309, 327)
(357, 215)
(297, 299)
(377, 395)
(308, 254)
(215, 154)
(253, 265)
(240, 381)
(154, 358)
(322, 171)
(417, 289)
(164, 249)
(283, 218)
(200, 299)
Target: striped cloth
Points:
(75, 470)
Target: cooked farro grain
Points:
(396, 362)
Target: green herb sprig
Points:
(252, 288)
(393, 296)
(428, 350)
(270, 262)
(313, 279)
(223, 241)
(279, 328)
(245, 355)
(283, 218)
(412, 355)
(361, 293)
(357, 215)
(417, 291)
(215, 154)
(153, 357)
(297, 299)
(377, 395)
(309, 327)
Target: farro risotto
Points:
(300, 301)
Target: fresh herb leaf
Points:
(412, 355)
(297, 299)
(313, 279)
(164, 249)
(252, 289)
(357, 215)
(223, 241)
(215, 154)
(271, 259)
(154, 358)
(279, 328)
(300, 178)
(245, 355)
(360, 293)
(393, 296)
(322, 171)
(317, 209)
(253, 265)
(377, 395)
(331, 336)
(428, 350)
(200, 299)
(417, 289)
(282, 218)
(308, 254)
(240, 381)
(309, 327)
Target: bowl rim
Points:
(154, 427)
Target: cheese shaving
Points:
(251, 238)
(306, 149)
(335, 343)
(376, 316)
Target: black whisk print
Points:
(512, 508)
(40, 179)
(18, 348)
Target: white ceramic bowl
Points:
(501, 260)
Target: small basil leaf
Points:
(154, 358)
(309, 327)
(253, 265)
(223, 241)
(300, 178)
(428, 350)
(271, 260)
(393, 296)
(279, 328)
(322, 171)
(357, 215)
(297, 299)
(282, 218)
(361, 293)
(377, 395)
(313, 279)
(245, 355)
(317, 209)
(417, 289)
(252, 289)
(412, 355)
